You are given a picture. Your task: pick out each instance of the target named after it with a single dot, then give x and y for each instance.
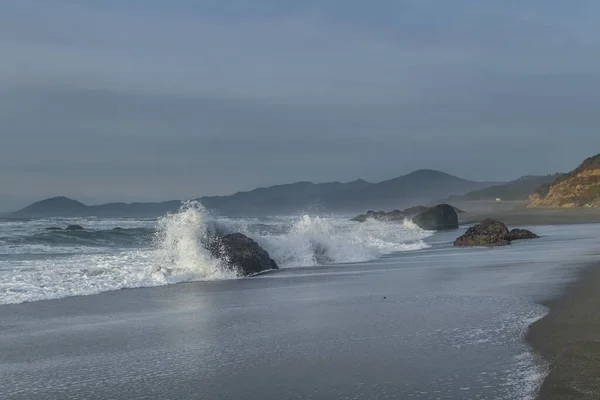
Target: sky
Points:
(147, 100)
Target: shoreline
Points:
(568, 338)
(441, 312)
(534, 216)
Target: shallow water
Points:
(431, 324)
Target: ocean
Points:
(379, 310)
(111, 254)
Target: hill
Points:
(519, 189)
(419, 187)
(285, 198)
(578, 188)
(65, 207)
(54, 206)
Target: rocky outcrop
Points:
(412, 211)
(578, 188)
(438, 218)
(492, 233)
(518, 234)
(488, 233)
(242, 254)
(74, 228)
(395, 215)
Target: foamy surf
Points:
(36, 264)
(312, 241)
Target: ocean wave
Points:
(311, 241)
(120, 238)
(174, 250)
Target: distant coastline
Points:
(577, 189)
(519, 215)
(420, 187)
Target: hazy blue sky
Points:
(148, 100)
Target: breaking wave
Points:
(320, 240)
(36, 264)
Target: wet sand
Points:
(444, 322)
(514, 214)
(569, 338)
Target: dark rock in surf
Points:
(241, 253)
(395, 215)
(492, 233)
(438, 218)
(118, 228)
(54, 228)
(518, 234)
(416, 210)
(74, 228)
(488, 233)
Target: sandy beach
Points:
(515, 214)
(568, 337)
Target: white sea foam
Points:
(46, 265)
(180, 250)
(319, 240)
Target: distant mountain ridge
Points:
(578, 188)
(418, 187)
(61, 207)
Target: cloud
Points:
(153, 100)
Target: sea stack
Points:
(438, 218)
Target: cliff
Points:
(578, 188)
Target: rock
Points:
(118, 228)
(242, 254)
(398, 215)
(489, 227)
(518, 234)
(492, 233)
(74, 228)
(54, 228)
(412, 211)
(438, 218)
(488, 233)
(359, 218)
(395, 215)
